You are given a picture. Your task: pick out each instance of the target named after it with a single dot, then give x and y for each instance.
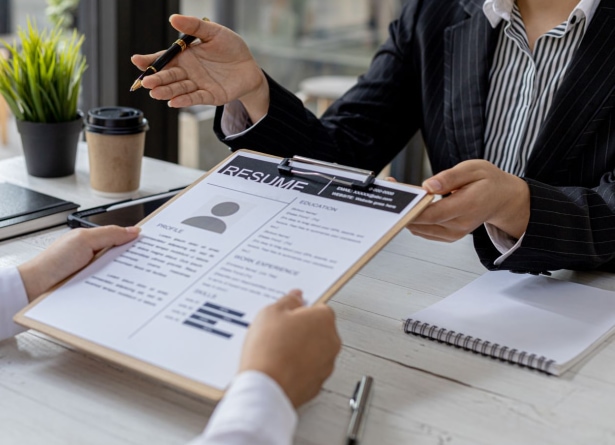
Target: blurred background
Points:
(315, 48)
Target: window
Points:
(295, 39)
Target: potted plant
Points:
(41, 82)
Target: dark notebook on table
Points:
(23, 210)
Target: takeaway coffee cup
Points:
(116, 140)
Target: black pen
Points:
(358, 404)
(177, 47)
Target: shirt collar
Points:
(498, 10)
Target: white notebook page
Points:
(544, 316)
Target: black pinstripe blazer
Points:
(432, 74)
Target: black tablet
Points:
(124, 213)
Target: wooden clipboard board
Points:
(172, 378)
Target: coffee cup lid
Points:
(116, 121)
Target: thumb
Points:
(143, 61)
(193, 26)
(434, 184)
(108, 236)
(290, 301)
(448, 181)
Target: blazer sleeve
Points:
(569, 228)
(365, 128)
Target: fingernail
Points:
(433, 185)
(133, 229)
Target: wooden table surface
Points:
(424, 393)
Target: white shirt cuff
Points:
(502, 241)
(254, 410)
(236, 120)
(13, 298)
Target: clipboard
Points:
(65, 312)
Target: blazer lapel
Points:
(469, 49)
(586, 92)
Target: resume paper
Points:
(182, 296)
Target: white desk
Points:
(425, 392)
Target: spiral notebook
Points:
(533, 321)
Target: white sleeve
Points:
(13, 298)
(235, 120)
(502, 241)
(254, 411)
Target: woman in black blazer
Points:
(434, 74)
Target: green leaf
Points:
(41, 80)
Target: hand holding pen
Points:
(218, 70)
(177, 47)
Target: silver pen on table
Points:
(358, 404)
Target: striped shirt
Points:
(523, 84)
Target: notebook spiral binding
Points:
(477, 345)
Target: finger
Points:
(182, 94)
(323, 310)
(199, 97)
(439, 212)
(325, 316)
(99, 238)
(454, 178)
(434, 233)
(194, 26)
(390, 179)
(290, 301)
(142, 61)
(456, 216)
(168, 77)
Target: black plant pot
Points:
(50, 149)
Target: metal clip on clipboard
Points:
(285, 168)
